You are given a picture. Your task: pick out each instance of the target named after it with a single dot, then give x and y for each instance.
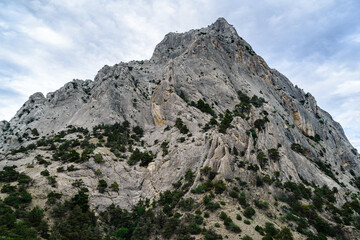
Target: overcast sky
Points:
(315, 43)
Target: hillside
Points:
(202, 141)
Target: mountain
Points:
(202, 141)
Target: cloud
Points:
(315, 43)
(46, 35)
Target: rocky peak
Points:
(223, 27)
(176, 44)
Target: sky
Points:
(46, 43)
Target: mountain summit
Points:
(202, 141)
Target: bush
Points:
(85, 155)
(229, 224)
(98, 158)
(261, 204)
(114, 187)
(23, 179)
(242, 108)
(260, 123)
(298, 148)
(181, 126)
(257, 101)
(225, 122)
(259, 181)
(7, 188)
(274, 154)
(102, 186)
(34, 132)
(187, 204)
(145, 158)
(249, 212)
(220, 186)
(211, 235)
(52, 197)
(234, 194)
(210, 204)
(81, 200)
(253, 167)
(259, 230)
(9, 174)
(138, 131)
(262, 159)
(51, 181)
(242, 200)
(45, 173)
(204, 107)
(270, 229)
(284, 234)
(246, 237)
(233, 227)
(35, 216)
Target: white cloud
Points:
(47, 36)
(354, 38)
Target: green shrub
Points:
(7, 188)
(102, 186)
(285, 234)
(45, 172)
(261, 204)
(260, 123)
(249, 212)
(165, 146)
(259, 181)
(51, 181)
(242, 200)
(114, 187)
(210, 204)
(35, 216)
(257, 101)
(181, 126)
(225, 122)
(263, 161)
(86, 154)
(34, 132)
(253, 167)
(211, 235)
(274, 154)
(138, 131)
(81, 200)
(144, 157)
(9, 174)
(98, 158)
(246, 237)
(298, 148)
(220, 186)
(259, 230)
(204, 107)
(52, 197)
(234, 194)
(270, 229)
(186, 204)
(242, 108)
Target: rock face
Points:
(212, 64)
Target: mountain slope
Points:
(204, 105)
